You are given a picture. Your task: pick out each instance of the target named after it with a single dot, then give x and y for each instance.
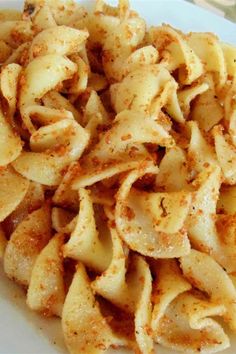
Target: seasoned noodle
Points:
(118, 176)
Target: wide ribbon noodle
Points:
(118, 176)
(180, 318)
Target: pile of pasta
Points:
(118, 176)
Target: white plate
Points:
(24, 332)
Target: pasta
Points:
(180, 312)
(46, 292)
(118, 176)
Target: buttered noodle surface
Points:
(118, 176)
